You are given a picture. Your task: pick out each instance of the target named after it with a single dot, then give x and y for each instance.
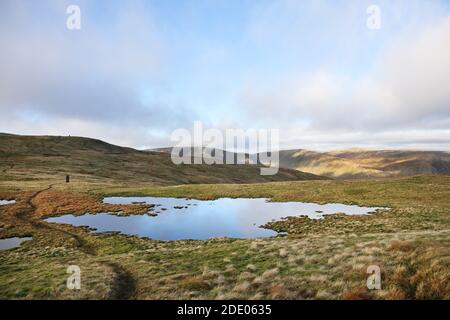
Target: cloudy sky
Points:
(137, 70)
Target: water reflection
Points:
(6, 202)
(195, 219)
(10, 243)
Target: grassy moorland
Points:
(37, 161)
(364, 164)
(318, 259)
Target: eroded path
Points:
(25, 215)
(124, 284)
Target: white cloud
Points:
(407, 90)
(309, 68)
(94, 79)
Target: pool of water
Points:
(195, 219)
(10, 243)
(5, 202)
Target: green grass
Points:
(34, 162)
(319, 259)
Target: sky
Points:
(137, 70)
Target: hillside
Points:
(34, 158)
(359, 163)
(208, 151)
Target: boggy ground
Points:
(318, 259)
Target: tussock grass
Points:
(318, 259)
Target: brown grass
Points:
(399, 245)
(358, 293)
(194, 283)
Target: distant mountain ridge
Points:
(357, 163)
(207, 151)
(363, 164)
(37, 158)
